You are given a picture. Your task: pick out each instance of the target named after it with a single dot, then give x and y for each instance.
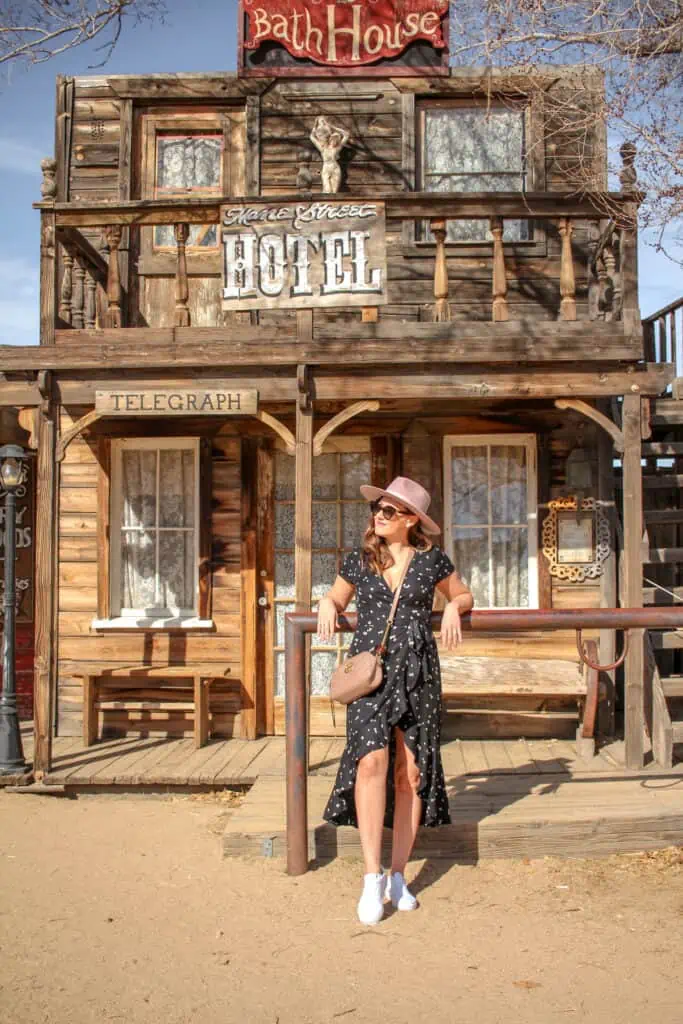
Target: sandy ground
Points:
(121, 908)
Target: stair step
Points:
(664, 556)
(666, 640)
(672, 686)
(653, 595)
(662, 448)
(659, 516)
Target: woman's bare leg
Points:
(407, 805)
(371, 797)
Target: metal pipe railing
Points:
(298, 624)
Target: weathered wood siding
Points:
(79, 562)
(104, 158)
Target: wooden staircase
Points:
(663, 568)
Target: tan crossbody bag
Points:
(360, 674)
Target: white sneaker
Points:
(371, 902)
(401, 896)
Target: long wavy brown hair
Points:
(376, 553)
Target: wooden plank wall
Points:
(78, 603)
(373, 114)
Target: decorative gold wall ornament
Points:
(576, 538)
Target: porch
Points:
(509, 798)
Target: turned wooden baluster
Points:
(499, 310)
(182, 291)
(112, 236)
(567, 282)
(66, 290)
(78, 295)
(442, 308)
(90, 302)
(613, 290)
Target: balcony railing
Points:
(663, 336)
(90, 287)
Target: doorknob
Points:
(263, 601)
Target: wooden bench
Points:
(94, 672)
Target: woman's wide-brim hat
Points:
(409, 494)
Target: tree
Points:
(626, 77)
(37, 30)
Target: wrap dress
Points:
(410, 694)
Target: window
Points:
(155, 529)
(475, 148)
(197, 152)
(340, 515)
(491, 517)
(188, 164)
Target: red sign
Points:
(344, 34)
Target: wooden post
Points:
(442, 309)
(303, 521)
(90, 312)
(567, 281)
(634, 723)
(608, 580)
(182, 291)
(48, 275)
(249, 595)
(66, 289)
(78, 294)
(112, 317)
(45, 585)
(499, 311)
(265, 560)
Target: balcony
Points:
(586, 310)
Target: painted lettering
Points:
(175, 403)
(333, 31)
(192, 402)
(359, 260)
(271, 265)
(238, 266)
(336, 245)
(234, 401)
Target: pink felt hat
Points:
(407, 493)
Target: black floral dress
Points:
(410, 694)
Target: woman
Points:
(391, 766)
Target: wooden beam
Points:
(184, 86)
(48, 279)
(608, 579)
(15, 393)
(303, 564)
(45, 591)
(405, 205)
(593, 414)
(280, 429)
(249, 585)
(632, 516)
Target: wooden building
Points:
(203, 422)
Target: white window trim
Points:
(172, 618)
(527, 441)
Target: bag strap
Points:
(392, 614)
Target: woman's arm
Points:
(335, 600)
(460, 601)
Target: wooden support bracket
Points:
(346, 414)
(80, 425)
(304, 386)
(280, 429)
(592, 414)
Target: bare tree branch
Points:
(636, 47)
(36, 31)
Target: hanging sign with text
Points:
(344, 35)
(303, 255)
(23, 545)
(176, 402)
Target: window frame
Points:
(110, 497)
(224, 120)
(528, 441)
(534, 169)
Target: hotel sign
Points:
(176, 402)
(341, 34)
(303, 255)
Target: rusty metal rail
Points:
(298, 624)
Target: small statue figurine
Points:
(48, 188)
(329, 140)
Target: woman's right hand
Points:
(327, 619)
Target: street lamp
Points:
(11, 752)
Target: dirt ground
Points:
(121, 908)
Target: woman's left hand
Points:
(451, 628)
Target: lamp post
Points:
(11, 752)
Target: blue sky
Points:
(195, 37)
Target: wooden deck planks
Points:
(574, 818)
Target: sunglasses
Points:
(388, 511)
